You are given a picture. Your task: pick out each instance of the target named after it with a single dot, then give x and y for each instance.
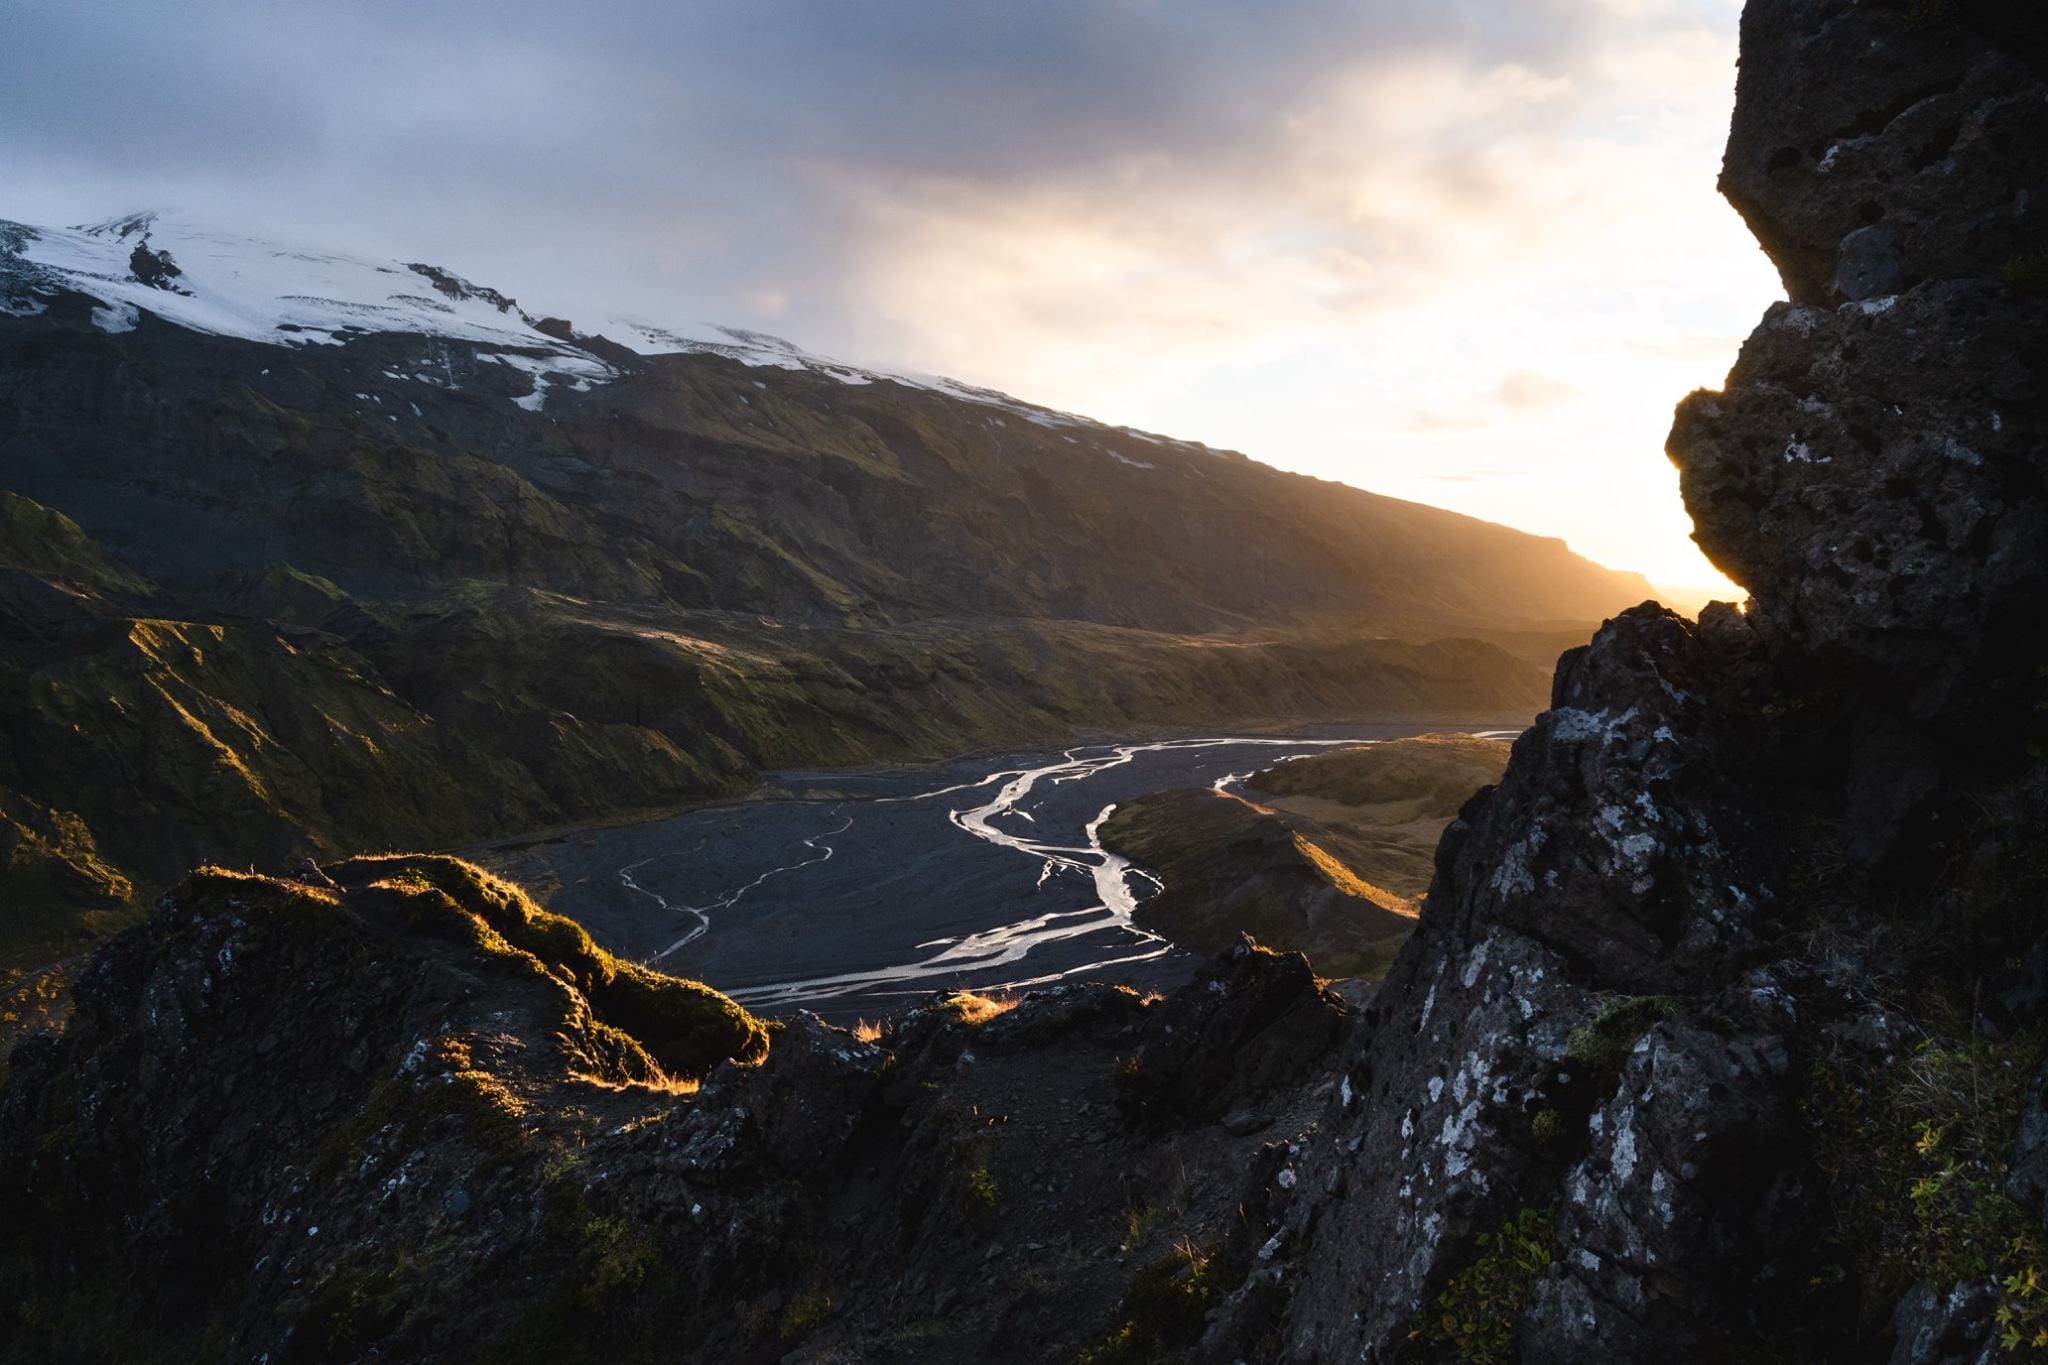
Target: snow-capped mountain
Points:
(230, 284)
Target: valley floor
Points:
(852, 893)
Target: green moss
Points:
(357, 1301)
(448, 1088)
(1478, 1314)
(685, 1026)
(1161, 1314)
(1602, 1047)
(43, 541)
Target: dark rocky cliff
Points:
(1723, 1020)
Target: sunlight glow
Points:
(1484, 291)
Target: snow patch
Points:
(234, 285)
(116, 317)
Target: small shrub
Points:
(1916, 1154)
(1140, 1221)
(805, 1316)
(978, 1192)
(1479, 1312)
(622, 1253)
(1161, 1314)
(2022, 1315)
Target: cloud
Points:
(1326, 155)
(1426, 423)
(1535, 392)
(1296, 226)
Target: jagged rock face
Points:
(1616, 860)
(1876, 472)
(1624, 842)
(1259, 1023)
(1880, 146)
(1874, 475)
(1600, 1052)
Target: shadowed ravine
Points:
(872, 888)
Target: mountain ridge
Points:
(386, 297)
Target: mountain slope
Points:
(736, 472)
(336, 552)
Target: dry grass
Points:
(974, 1009)
(1338, 874)
(660, 1083)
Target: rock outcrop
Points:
(395, 1111)
(1671, 1066)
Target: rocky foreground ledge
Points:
(402, 1113)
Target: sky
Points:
(1462, 251)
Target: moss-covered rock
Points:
(319, 1080)
(685, 1027)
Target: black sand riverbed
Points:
(850, 893)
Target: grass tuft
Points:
(975, 1010)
